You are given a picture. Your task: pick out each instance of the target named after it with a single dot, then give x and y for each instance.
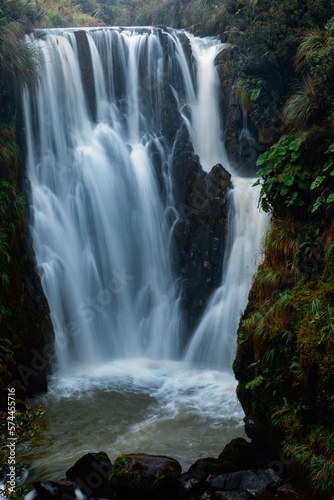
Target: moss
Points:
(130, 474)
(285, 353)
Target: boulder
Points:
(189, 485)
(262, 494)
(288, 492)
(139, 473)
(205, 466)
(54, 490)
(229, 495)
(240, 453)
(91, 474)
(241, 480)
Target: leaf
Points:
(255, 94)
(330, 149)
(284, 190)
(294, 154)
(330, 198)
(288, 180)
(320, 201)
(294, 145)
(256, 183)
(293, 200)
(292, 169)
(328, 164)
(318, 181)
(262, 159)
(279, 412)
(254, 383)
(281, 151)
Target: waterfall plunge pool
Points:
(133, 406)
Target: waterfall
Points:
(214, 340)
(102, 196)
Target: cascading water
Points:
(214, 341)
(100, 232)
(103, 210)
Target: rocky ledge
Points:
(239, 473)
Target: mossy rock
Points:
(139, 473)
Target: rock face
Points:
(240, 133)
(140, 473)
(86, 68)
(199, 235)
(33, 370)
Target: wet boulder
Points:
(54, 490)
(205, 466)
(242, 480)
(192, 483)
(240, 453)
(91, 474)
(139, 473)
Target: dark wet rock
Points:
(240, 132)
(230, 495)
(199, 235)
(240, 481)
(37, 351)
(91, 474)
(192, 483)
(240, 453)
(284, 492)
(219, 495)
(288, 492)
(138, 473)
(185, 42)
(54, 490)
(189, 484)
(86, 68)
(205, 466)
(262, 494)
(205, 495)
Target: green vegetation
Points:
(25, 429)
(285, 357)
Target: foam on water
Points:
(137, 405)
